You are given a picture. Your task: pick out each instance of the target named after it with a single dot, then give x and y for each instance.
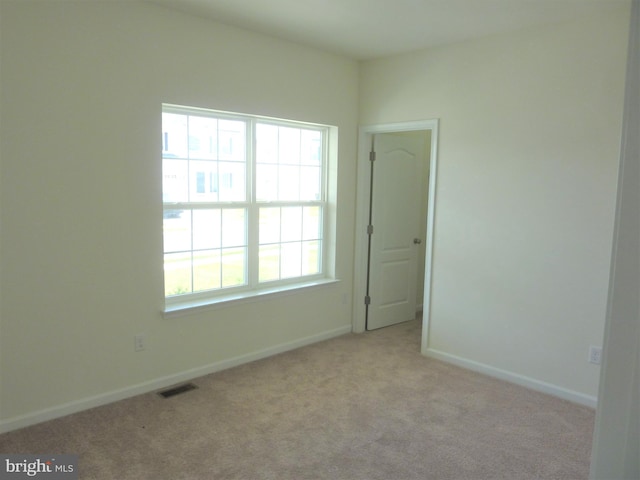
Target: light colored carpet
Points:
(355, 407)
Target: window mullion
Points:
(253, 212)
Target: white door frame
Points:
(362, 218)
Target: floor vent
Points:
(172, 392)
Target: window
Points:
(244, 203)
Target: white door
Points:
(396, 237)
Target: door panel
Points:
(394, 284)
(393, 268)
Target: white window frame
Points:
(253, 289)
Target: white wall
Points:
(616, 447)
(81, 251)
(529, 140)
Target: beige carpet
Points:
(355, 407)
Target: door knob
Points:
(417, 241)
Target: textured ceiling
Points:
(365, 29)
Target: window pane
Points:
(269, 263)
(266, 143)
(311, 147)
(206, 270)
(232, 182)
(310, 258)
(310, 183)
(289, 183)
(174, 135)
(291, 259)
(175, 187)
(177, 273)
(269, 225)
(267, 183)
(203, 137)
(204, 181)
(177, 231)
(291, 228)
(289, 145)
(206, 229)
(311, 223)
(231, 140)
(233, 267)
(233, 227)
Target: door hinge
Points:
(372, 156)
(367, 300)
(369, 229)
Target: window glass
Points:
(231, 135)
(206, 270)
(175, 136)
(207, 229)
(224, 175)
(203, 134)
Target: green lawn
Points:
(214, 269)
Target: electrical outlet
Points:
(138, 343)
(595, 355)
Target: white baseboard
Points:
(532, 383)
(159, 383)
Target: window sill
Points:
(193, 306)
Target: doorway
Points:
(399, 149)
